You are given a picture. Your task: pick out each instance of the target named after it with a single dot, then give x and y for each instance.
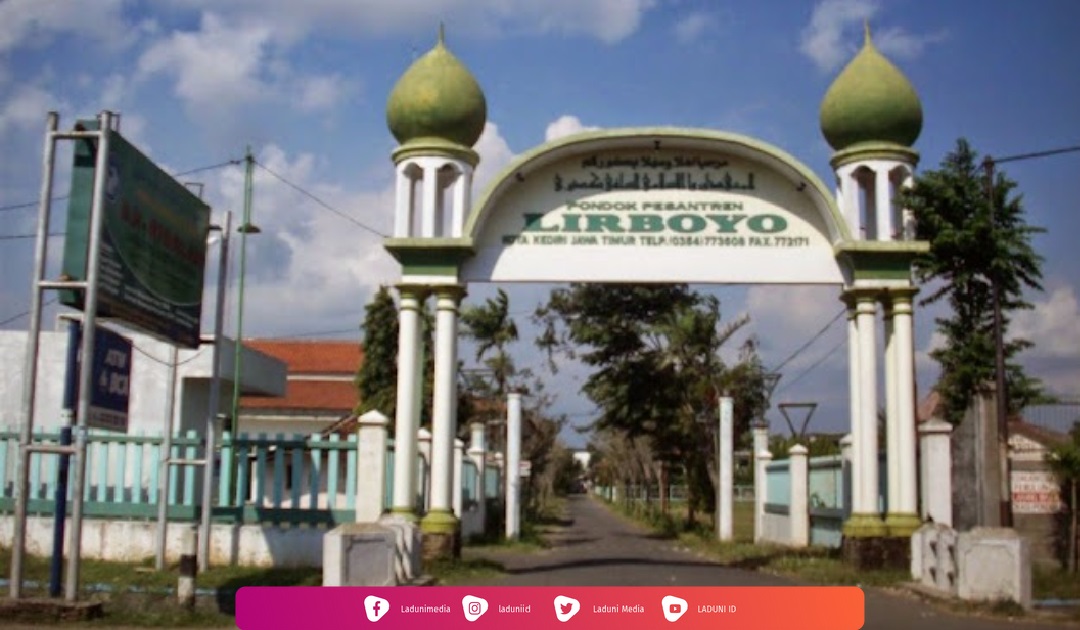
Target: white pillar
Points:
(462, 202)
(847, 456)
(478, 455)
(727, 472)
(761, 445)
(883, 203)
(371, 445)
(799, 511)
(513, 465)
(408, 399)
(444, 401)
(905, 411)
(405, 200)
(423, 470)
(936, 471)
(761, 492)
(459, 477)
(854, 379)
(892, 435)
(866, 306)
(430, 190)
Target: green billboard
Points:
(153, 242)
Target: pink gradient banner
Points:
(526, 608)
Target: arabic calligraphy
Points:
(677, 180)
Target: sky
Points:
(304, 84)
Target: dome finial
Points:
(866, 33)
(442, 33)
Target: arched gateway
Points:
(652, 205)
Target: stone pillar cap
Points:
(374, 417)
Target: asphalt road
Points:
(598, 548)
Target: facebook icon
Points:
(375, 607)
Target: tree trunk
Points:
(664, 488)
(1072, 528)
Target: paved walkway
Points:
(597, 548)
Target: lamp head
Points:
(249, 228)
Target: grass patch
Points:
(816, 565)
(136, 594)
(1047, 583)
(464, 571)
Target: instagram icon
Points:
(473, 607)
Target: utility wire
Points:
(34, 204)
(11, 237)
(24, 314)
(811, 341)
(320, 201)
(163, 361)
(812, 366)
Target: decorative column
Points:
(761, 493)
(936, 464)
(904, 519)
(409, 392)
(513, 466)
(439, 524)
(724, 524)
(799, 509)
(866, 521)
(854, 379)
(892, 436)
(478, 455)
(459, 470)
(371, 446)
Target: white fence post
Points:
(423, 475)
(458, 479)
(761, 493)
(799, 509)
(371, 445)
(846, 454)
(935, 471)
(478, 455)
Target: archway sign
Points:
(656, 205)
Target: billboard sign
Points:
(110, 380)
(153, 247)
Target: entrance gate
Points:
(657, 205)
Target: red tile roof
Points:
(330, 396)
(313, 357)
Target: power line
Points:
(811, 341)
(34, 204)
(321, 202)
(11, 237)
(814, 365)
(20, 315)
(163, 361)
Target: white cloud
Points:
(830, 37)
(37, 22)
(218, 66)
(691, 27)
(26, 109)
(319, 93)
(606, 20)
(495, 155)
(563, 126)
(1053, 326)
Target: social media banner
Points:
(526, 608)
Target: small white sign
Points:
(525, 468)
(1035, 492)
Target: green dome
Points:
(871, 101)
(437, 100)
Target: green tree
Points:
(492, 329)
(1064, 460)
(376, 379)
(971, 248)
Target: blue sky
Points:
(305, 85)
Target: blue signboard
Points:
(110, 381)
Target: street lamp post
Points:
(246, 227)
(1002, 397)
(215, 392)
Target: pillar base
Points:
(868, 553)
(864, 526)
(902, 525)
(405, 514)
(441, 536)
